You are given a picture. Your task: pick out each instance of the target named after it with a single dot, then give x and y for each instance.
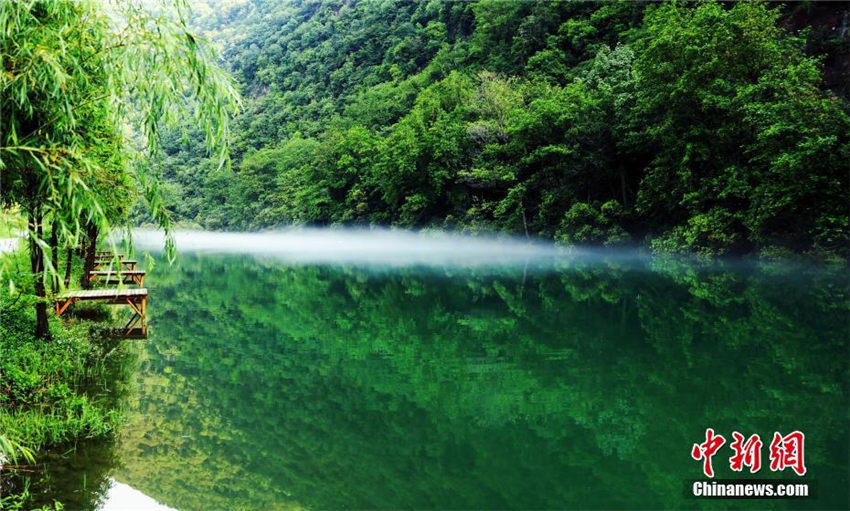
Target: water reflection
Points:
(78, 476)
(267, 386)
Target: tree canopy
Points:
(706, 127)
(86, 89)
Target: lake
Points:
(434, 377)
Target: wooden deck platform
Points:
(130, 264)
(136, 298)
(123, 276)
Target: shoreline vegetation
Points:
(53, 393)
(87, 89)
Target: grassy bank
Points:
(57, 392)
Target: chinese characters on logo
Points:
(747, 454)
(785, 452)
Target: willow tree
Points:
(85, 89)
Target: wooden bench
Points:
(124, 276)
(136, 298)
(130, 264)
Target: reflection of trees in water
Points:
(343, 388)
(78, 475)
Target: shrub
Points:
(43, 385)
(585, 223)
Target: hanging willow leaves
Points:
(86, 88)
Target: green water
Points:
(265, 385)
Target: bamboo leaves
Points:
(79, 78)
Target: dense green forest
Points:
(711, 127)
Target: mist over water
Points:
(367, 247)
(397, 248)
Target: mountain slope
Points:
(705, 127)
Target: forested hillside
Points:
(709, 127)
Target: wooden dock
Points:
(136, 298)
(123, 276)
